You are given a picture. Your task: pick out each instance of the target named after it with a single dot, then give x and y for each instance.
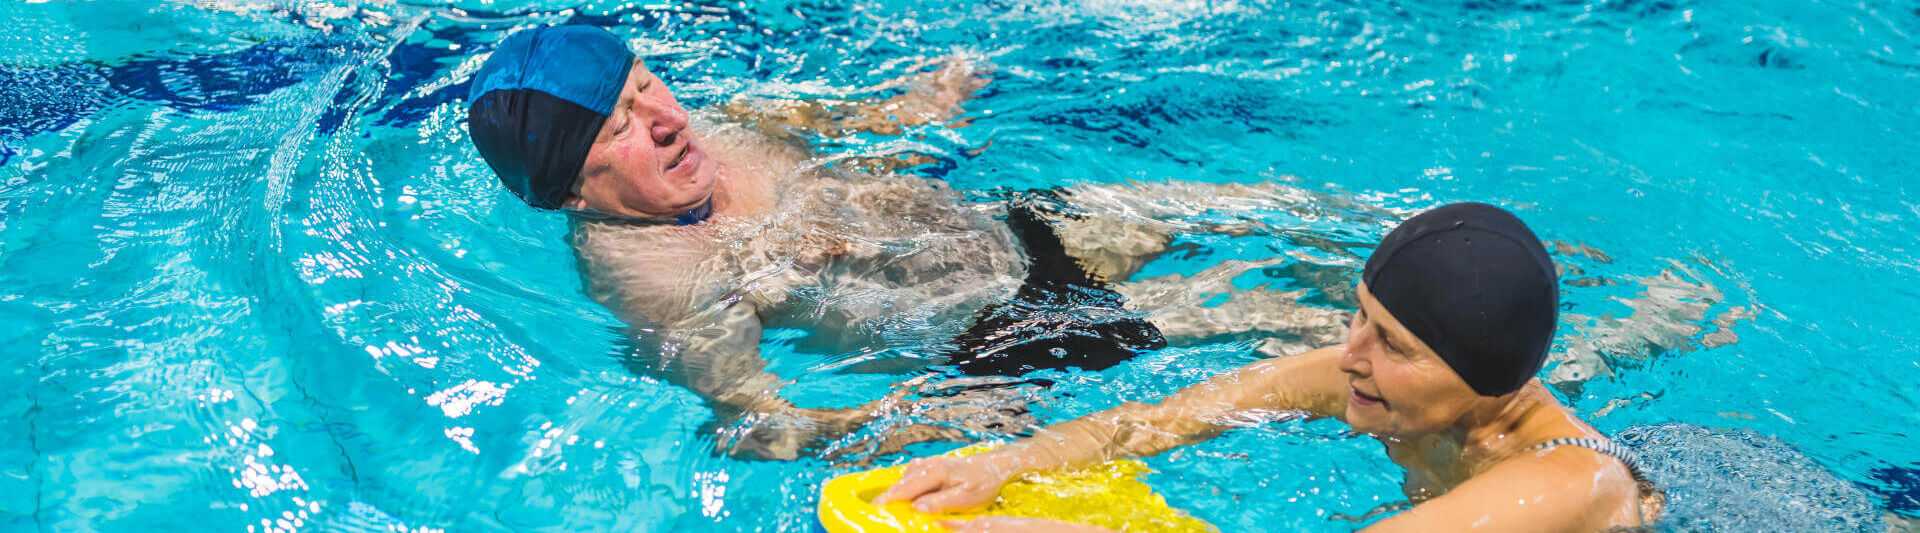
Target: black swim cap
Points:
(539, 101)
(1474, 283)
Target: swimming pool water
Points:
(253, 276)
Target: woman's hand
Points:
(1012, 524)
(936, 484)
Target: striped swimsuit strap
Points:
(1599, 445)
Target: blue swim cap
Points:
(539, 101)
(1473, 283)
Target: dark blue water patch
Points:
(226, 82)
(1504, 6)
(413, 63)
(33, 100)
(408, 62)
(36, 99)
(335, 115)
(1643, 9)
(1900, 485)
(1633, 9)
(1739, 480)
(1145, 115)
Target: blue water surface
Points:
(254, 277)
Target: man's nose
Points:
(668, 120)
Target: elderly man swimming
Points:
(1457, 311)
(702, 234)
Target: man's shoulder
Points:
(667, 250)
(745, 140)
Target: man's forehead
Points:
(632, 77)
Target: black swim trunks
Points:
(1060, 318)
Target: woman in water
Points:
(1457, 311)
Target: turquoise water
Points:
(252, 275)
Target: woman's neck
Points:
(1506, 427)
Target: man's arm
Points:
(1566, 489)
(717, 355)
(927, 97)
(1311, 382)
(696, 334)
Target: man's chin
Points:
(707, 175)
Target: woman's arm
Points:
(1252, 394)
(1310, 382)
(1566, 489)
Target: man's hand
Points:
(940, 93)
(928, 97)
(789, 432)
(777, 430)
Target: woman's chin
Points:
(1358, 421)
(1368, 423)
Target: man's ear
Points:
(574, 201)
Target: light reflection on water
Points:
(254, 277)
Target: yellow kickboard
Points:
(1109, 495)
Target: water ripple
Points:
(254, 276)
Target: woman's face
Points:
(1398, 387)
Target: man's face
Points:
(1398, 387)
(644, 163)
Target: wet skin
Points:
(1468, 457)
(1392, 389)
(645, 162)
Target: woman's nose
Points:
(1353, 356)
(1354, 361)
